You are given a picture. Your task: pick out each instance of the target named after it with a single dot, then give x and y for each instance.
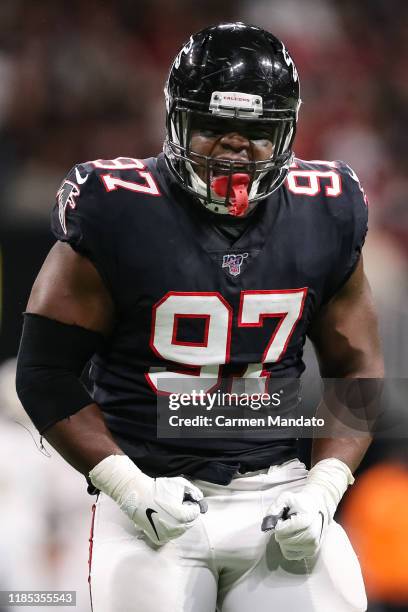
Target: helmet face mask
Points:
(231, 78)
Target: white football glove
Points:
(164, 508)
(306, 515)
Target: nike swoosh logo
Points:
(79, 178)
(149, 513)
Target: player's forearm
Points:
(83, 439)
(350, 407)
(349, 450)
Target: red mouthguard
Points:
(238, 204)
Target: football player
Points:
(214, 259)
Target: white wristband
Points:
(330, 477)
(113, 474)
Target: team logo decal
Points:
(66, 195)
(290, 63)
(186, 49)
(234, 262)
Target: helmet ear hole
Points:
(236, 73)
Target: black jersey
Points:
(194, 296)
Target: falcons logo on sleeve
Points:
(66, 195)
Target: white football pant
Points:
(224, 563)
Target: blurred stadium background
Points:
(81, 80)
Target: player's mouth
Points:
(224, 179)
(223, 165)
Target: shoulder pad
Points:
(325, 178)
(338, 200)
(90, 202)
(83, 192)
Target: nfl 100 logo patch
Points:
(234, 262)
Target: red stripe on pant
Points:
(90, 551)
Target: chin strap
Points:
(238, 203)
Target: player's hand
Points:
(164, 508)
(305, 515)
(301, 533)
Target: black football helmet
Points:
(238, 73)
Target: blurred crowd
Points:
(83, 79)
